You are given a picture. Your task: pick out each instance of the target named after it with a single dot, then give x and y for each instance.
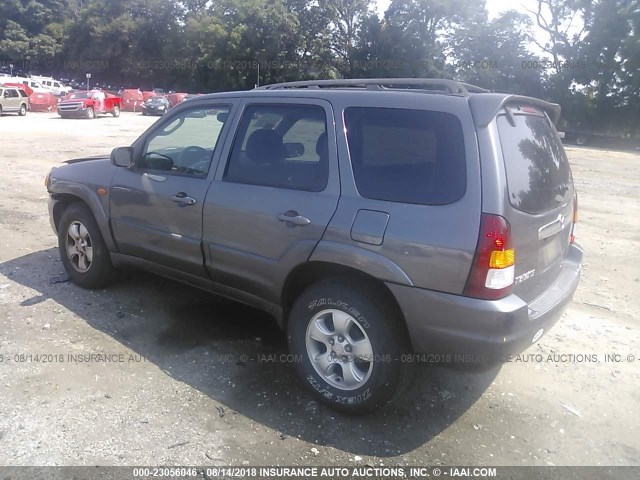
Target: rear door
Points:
(273, 198)
(13, 100)
(541, 197)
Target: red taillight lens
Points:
(572, 237)
(492, 272)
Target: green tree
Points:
(495, 54)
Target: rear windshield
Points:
(404, 155)
(538, 174)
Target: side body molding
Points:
(362, 259)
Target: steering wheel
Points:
(194, 159)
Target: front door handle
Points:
(155, 178)
(183, 199)
(292, 218)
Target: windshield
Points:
(156, 100)
(78, 95)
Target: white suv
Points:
(54, 86)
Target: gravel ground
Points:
(151, 372)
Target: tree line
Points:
(587, 56)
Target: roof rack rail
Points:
(451, 86)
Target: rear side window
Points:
(538, 173)
(408, 156)
(283, 146)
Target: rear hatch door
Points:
(541, 197)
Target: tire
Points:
(23, 110)
(582, 140)
(79, 237)
(91, 114)
(350, 383)
(116, 111)
(0, 110)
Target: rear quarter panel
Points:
(432, 245)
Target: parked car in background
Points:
(18, 85)
(33, 84)
(13, 100)
(56, 87)
(375, 219)
(155, 106)
(89, 104)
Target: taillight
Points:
(492, 272)
(572, 237)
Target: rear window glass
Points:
(404, 155)
(538, 173)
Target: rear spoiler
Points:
(485, 106)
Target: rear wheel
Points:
(23, 110)
(91, 113)
(348, 343)
(116, 111)
(582, 140)
(82, 249)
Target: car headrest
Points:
(322, 146)
(265, 146)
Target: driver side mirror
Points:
(122, 156)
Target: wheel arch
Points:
(308, 273)
(64, 199)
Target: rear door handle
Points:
(183, 199)
(292, 218)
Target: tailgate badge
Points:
(525, 276)
(561, 219)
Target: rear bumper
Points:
(469, 329)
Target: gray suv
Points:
(377, 220)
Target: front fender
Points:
(361, 259)
(61, 189)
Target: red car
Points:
(89, 104)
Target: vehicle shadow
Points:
(209, 343)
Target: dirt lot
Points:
(192, 379)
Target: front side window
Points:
(283, 146)
(408, 156)
(186, 144)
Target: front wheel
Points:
(91, 113)
(348, 343)
(82, 249)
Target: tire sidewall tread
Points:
(383, 328)
(101, 272)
